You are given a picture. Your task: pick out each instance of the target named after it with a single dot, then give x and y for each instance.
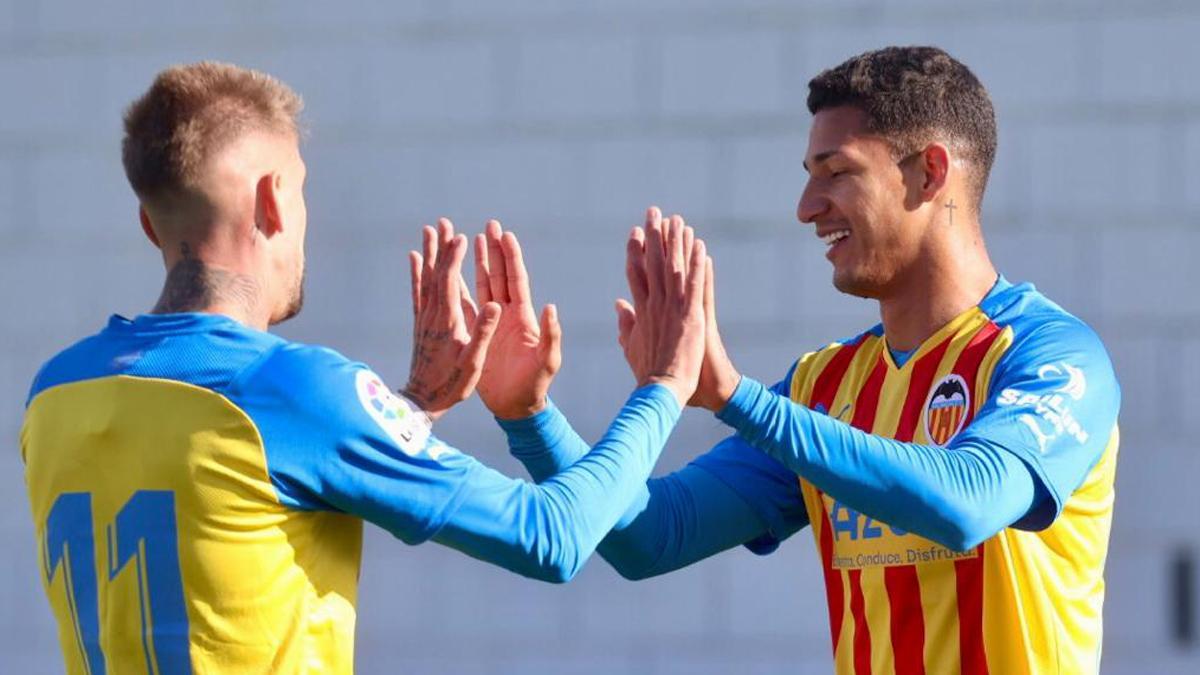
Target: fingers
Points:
(497, 268)
(710, 295)
(472, 358)
(635, 266)
(429, 244)
(694, 292)
(445, 232)
(654, 218)
(676, 259)
(483, 288)
(626, 319)
(441, 277)
(689, 236)
(654, 254)
(414, 268)
(516, 277)
(550, 343)
(450, 277)
(709, 292)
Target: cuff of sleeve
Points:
(742, 407)
(659, 394)
(538, 431)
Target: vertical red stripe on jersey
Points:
(969, 360)
(968, 580)
(907, 619)
(862, 633)
(830, 378)
(824, 389)
(867, 405)
(918, 387)
(865, 409)
(834, 593)
(968, 573)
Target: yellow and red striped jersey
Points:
(1027, 600)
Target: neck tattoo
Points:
(192, 286)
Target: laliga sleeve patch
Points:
(402, 421)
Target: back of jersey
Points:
(164, 547)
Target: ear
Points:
(935, 165)
(147, 228)
(268, 217)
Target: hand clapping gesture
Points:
(525, 354)
(450, 337)
(663, 331)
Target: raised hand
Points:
(718, 377)
(662, 331)
(524, 355)
(450, 337)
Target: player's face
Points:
(857, 197)
(295, 219)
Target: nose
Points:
(812, 204)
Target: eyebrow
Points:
(820, 157)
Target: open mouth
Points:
(834, 237)
(833, 242)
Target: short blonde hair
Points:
(193, 111)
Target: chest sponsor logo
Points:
(946, 409)
(860, 542)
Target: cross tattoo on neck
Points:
(951, 206)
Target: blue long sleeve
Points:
(335, 440)
(547, 531)
(675, 520)
(956, 496)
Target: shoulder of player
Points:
(1034, 317)
(854, 341)
(60, 368)
(298, 366)
(78, 361)
(1044, 332)
(803, 367)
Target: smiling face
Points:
(862, 202)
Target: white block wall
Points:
(565, 120)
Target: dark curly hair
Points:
(912, 96)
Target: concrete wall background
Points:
(565, 120)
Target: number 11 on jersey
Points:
(143, 533)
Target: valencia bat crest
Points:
(946, 409)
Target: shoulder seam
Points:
(252, 367)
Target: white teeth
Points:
(834, 237)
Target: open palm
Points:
(525, 353)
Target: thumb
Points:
(550, 344)
(469, 310)
(710, 299)
(626, 319)
(472, 358)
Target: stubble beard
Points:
(295, 301)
